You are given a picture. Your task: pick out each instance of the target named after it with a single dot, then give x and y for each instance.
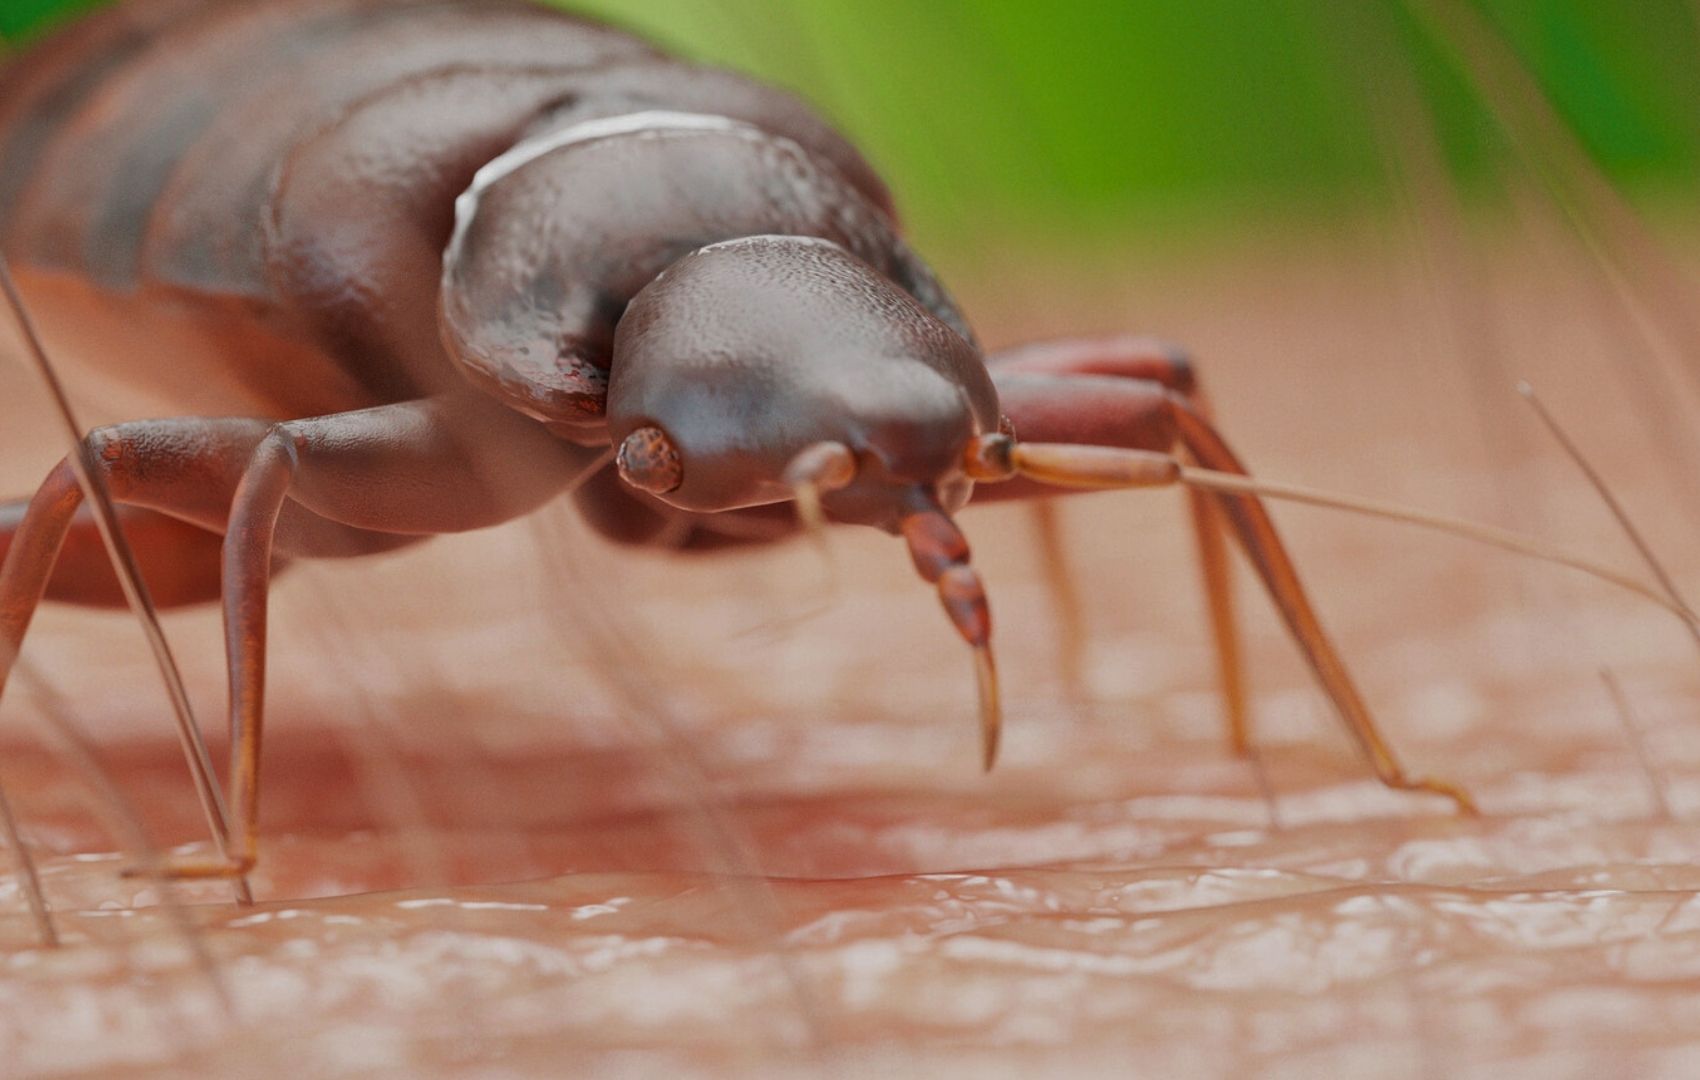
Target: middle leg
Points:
(342, 485)
(355, 483)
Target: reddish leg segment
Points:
(1144, 361)
(1098, 410)
(185, 468)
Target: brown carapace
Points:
(410, 267)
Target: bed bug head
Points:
(749, 366)
(778, 367)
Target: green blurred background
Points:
(1098, 120)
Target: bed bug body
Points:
(409, 267)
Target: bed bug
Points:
(413, 267)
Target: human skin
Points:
(767, 847)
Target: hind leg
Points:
(179, 561)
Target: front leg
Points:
(1100, 410)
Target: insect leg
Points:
(167, 461)
(1091, 412)
(179, 560)
(247, 557)
(189, 469)
(169, 466)
(1148, 360)
(184, 467)
(1064, 585)
(355, 483)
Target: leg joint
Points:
(111, 453)
(282, 441)
(270, 470)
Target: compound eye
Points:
(648, 460)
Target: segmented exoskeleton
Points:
(409, 267)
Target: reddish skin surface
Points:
(1114, 894)
(1116, 898)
